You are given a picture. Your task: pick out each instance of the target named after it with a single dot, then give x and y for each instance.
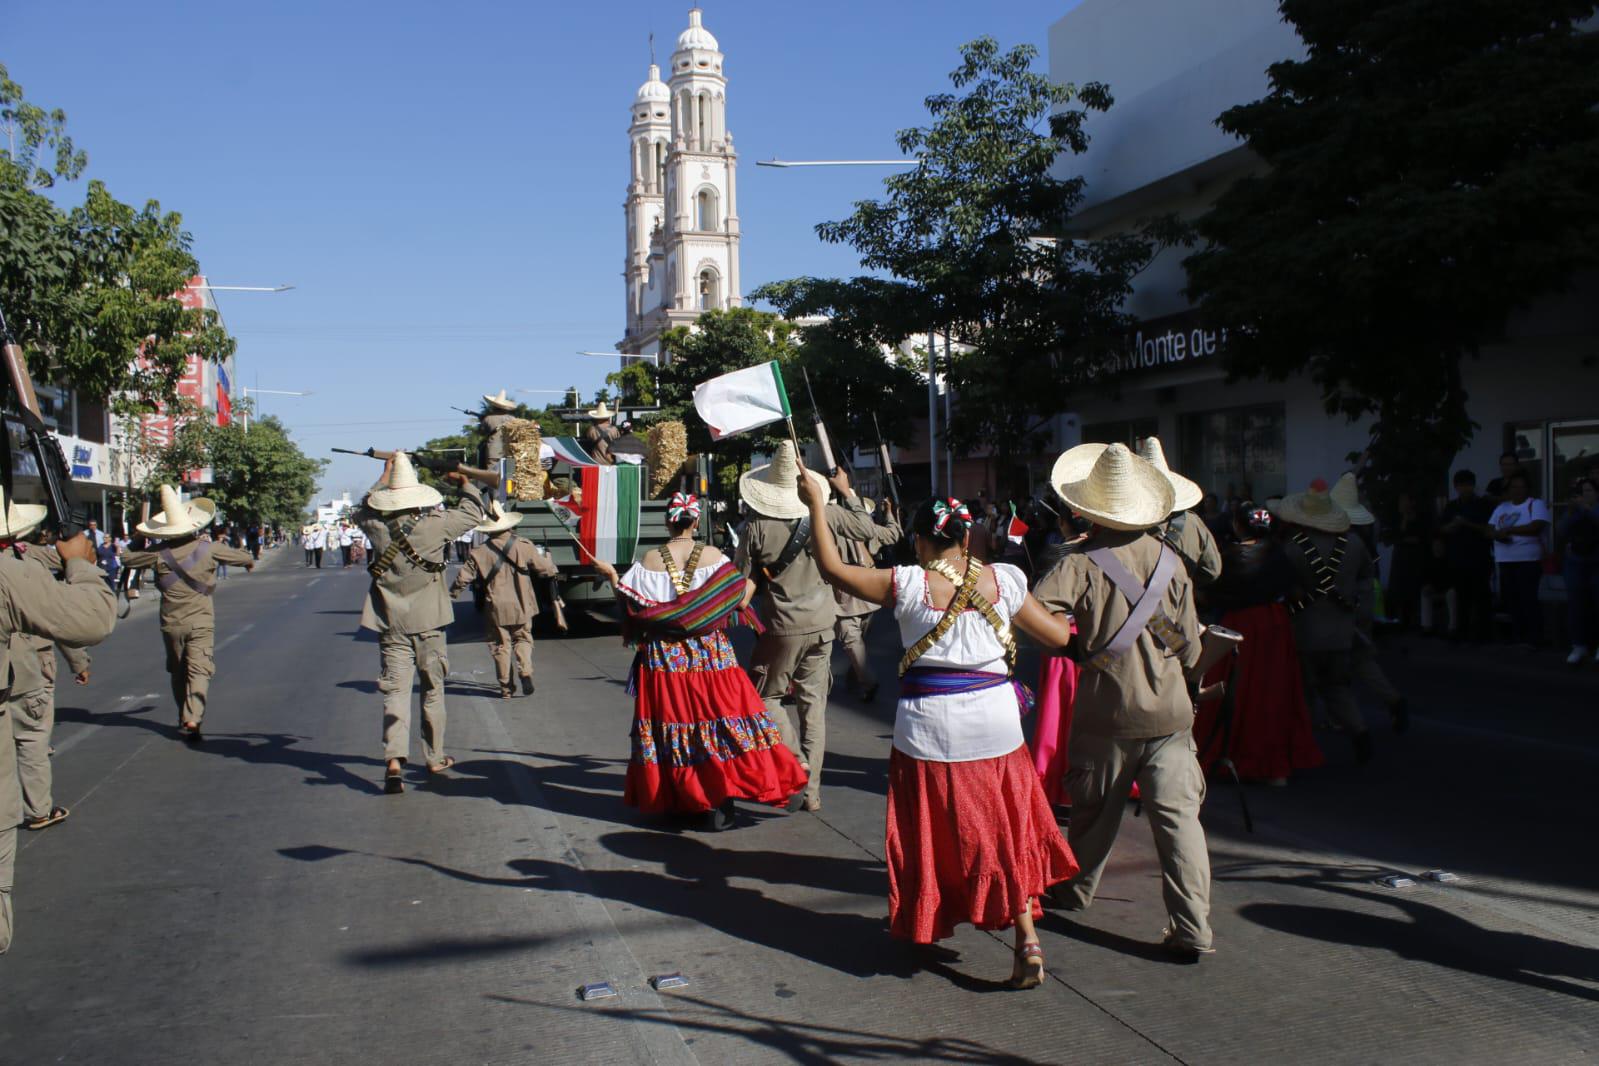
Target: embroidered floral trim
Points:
(691, 743)
(702, 654)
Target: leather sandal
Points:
(1028, 970)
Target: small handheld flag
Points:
(743, 400)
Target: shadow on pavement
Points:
(690, 858)
(1058, 923)
(854, 771)
(429, 952)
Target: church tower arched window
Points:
(710, 295)
(707, 211)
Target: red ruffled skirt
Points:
(1057, 693)
(1271, 734)
(701, 735)
(968, 842)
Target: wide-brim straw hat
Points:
(1112, 487)
(499, 520)
(1313, 509)
(602, 412)
(773, 490)
(404, 492)
(1346, 494)
(499, 401)
(178, 519)
(1186, 493)
(20, 520)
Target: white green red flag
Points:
(603, 512)
(1017, 530)
(743, 400)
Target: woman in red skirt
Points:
(702, 738)
(971, 837)
(1270, 735)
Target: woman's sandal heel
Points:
(1029, 969)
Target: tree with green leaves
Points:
(90, 291)
(259, 474)
(1431, 167)
(969, 241)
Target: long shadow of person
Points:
(688, 858)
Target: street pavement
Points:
(258, 900)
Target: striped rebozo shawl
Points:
(715, 605)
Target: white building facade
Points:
(682, 199)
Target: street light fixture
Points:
(838, 163)
(246, 391)
(245, 288)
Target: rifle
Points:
(434, 462)
(464, 411)
(889, 477)
(821, 430)
(66, 517)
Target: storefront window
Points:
(1240, 451)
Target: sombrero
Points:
(773, 490)
(1186, 492)
(602, 412)
(178, 519)
(500, 402)
(403, 492)
(19, 520)
(1346, 494)
(498, 520)
(1112, 487)
(1313, 509)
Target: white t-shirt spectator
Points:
(1522, 547)
(346, 537)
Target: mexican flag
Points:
(743, 400)
(603, 512)
(1017, 530)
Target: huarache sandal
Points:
(45, 821)
(393, 782)
(1028, 971)
(449, 761)
(527, 685)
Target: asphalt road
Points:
(258, 900)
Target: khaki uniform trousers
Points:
(1171, 787)
(804, 664)
(10, 815)
(1330, 675)
(191, 666)
(33, 718)
(511, 642)
(851, 631)
(406, 657)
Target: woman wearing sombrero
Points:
(186, 573)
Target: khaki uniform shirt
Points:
(493, 444)
(798, 602)
(1143, 693)
(860, 553)
(408, 599)
(1197, 545)
(510, 595)
(1328, 624)
(75, 613)
(24, 679)
(184, 610)
(597, 439)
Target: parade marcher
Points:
(78, 612)
(408, 605)
(346, 542)
(319, 543)
(1137, 635)
(1057, 673)
(854, 614)
(1332, 588)
(497, 410)
(505, 565)
(1186, 532)
(185, 572)
(305, 545)
(702, 737)
(1269, 736)
(970, 835)
(796, 651)
(1363, 663)
(600, 434)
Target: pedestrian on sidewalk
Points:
(702, 737)
(78, 611)
(408, 605)
(1363, 664)
(1468, 554)
(504, 566)
(186, 574)
(855, 615)
(1579, 533)
(1133, 720)
(795, 653)
(970, 834)
(1518, 524)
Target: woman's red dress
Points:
(1271, 733)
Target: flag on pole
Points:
(743, 400)
(1017, 530)
(603, 514)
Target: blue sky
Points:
(442, 183)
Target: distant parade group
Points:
(1130, 696)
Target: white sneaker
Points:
(1578, 654)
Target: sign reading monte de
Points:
(1171, 340)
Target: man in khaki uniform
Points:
(408, 605)
(497, 410)
(1133, 720)
(1185, 531)
(186, 574)
(78, 611)
(601, 434)
(796, 651)
(506, 565)
(855, 615)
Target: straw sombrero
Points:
(499, 401)
(19, 520)
(1313, 509)
(178, 519)
(773, 490)
(1346, 494)
(1186, 492)
(403, 492)
(499, 520)
(602, 412)
(1112, 487)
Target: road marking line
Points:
(242, 631)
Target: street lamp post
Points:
(247, 391)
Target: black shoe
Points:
(394, 782)
(527, 685)
(1399, 711)
(1364, 748)
(869, 695)
(192, 737)
(721, 818)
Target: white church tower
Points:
(682, 213)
